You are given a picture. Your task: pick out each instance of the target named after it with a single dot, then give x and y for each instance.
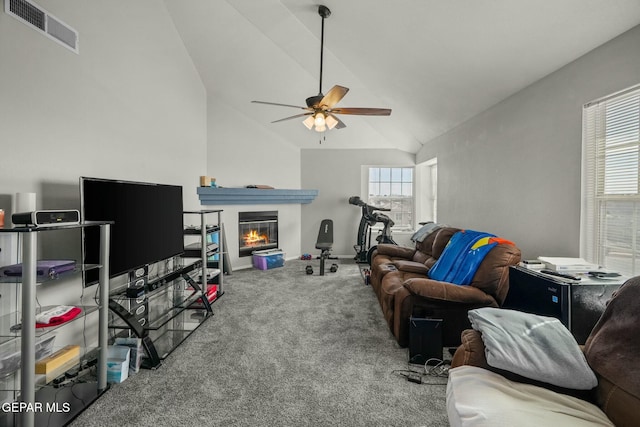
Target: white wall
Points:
(242, 152)
(130, 106)
(337, 176)
(514, 169)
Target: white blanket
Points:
(478, 397)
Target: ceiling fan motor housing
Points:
(313, 101)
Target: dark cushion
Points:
(613, 350)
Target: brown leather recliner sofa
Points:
(399, 280)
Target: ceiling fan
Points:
(320, 110)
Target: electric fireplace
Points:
(257, 231)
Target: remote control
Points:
(555, 273)
(603, 274)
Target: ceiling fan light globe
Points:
(319, 120)
(309, 122)
(321, 128)
(331, 121)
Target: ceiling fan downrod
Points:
(324, 12)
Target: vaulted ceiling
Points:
(435, 63)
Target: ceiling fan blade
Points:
(362, 111)
(293, 117)
(333, 96)
(280, 105)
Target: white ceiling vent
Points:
(42, 21)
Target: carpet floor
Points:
(283, 349)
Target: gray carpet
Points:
(283, 349)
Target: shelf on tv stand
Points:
(177, 298)
(173, 298)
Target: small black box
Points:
(577, 305)
(135, 291)
(425, 340)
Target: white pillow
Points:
(536, 347)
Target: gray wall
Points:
(337, 176)
(515, 169)
(131, 106)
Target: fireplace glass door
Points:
(257, 231)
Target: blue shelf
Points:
(253, 196)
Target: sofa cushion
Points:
(478, 397)
(462, 256)
(442, 291)
(411, 267)
(492, 276)
(440, 240)
(536, 347)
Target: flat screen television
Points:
(148, 223)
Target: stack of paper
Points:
(568, 264)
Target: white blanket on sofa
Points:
(478, 397)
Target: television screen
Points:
(148, 223)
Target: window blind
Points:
(610, 226)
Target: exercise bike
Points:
(370, 216)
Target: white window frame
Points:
(365, 195)
(427, 188)
(610, 212)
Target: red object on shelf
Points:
(62, 318)
(212, 295)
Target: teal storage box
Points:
(268, 259)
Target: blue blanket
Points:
(462, 256)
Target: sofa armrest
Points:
(411, 267)
(395, 251)
(471, 350)
(444, 291)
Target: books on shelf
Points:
(533, 264)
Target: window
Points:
(392, 187)
(433, 189)
(610, 224)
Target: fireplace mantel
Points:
(253, 196)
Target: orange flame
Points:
(252, 238)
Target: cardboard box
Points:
(59, 362)
(135, 356)
(117, 363)
(268, 259)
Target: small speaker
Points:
(425, 340)
(139, 309)
(138, 273)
